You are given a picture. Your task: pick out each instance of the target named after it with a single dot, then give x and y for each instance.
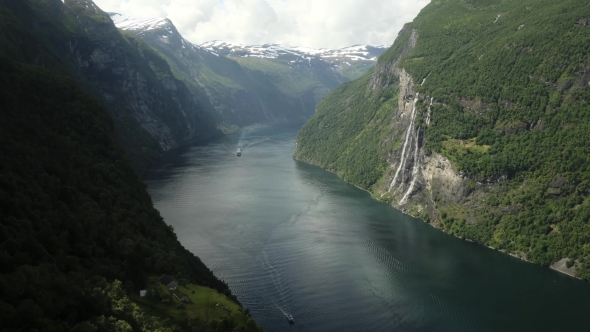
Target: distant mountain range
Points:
(276, 51)
(351, 61)
(243, 85)
(267, 51)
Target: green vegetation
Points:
(511, 86)
(345, 141)
(74, 217)
(204, 309)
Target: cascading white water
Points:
(414, 171)
(411, 137)
(428, 114)
(408, 133)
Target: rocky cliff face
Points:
(136, 82)
(413, 176)
(153, 110)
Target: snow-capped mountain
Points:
(342, 56)
(283, 85)
(274, 51)
(128, 23)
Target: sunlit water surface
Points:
(292, 238)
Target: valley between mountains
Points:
(476, 120)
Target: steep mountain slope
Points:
(153, 110)
(476, 120)
(275, 85)
(74, 217)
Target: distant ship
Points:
(239, 151)
(290, 319)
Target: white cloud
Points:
(312, 23)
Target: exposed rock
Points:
(558, 182)
(442, 181)
(475, 105)
(169, 84)
(100, 58)
(384, 72)
(583, 21)
(561, 266)
(538, 125)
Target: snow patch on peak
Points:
(219, 44)
(273, 51)
(307, 50)
(129, 23)
(289, 54)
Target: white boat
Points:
(290, 319)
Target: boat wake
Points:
(275, 276)
(255, 142)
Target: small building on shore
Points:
(168, 281)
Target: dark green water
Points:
(290, 237)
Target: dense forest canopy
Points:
(74, 216)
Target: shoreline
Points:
(440, 229)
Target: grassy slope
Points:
(517, 92)
(204, 307)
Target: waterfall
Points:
(408, 132)
(414, 171)
(428, 113)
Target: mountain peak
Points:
(142, 24)
(165, 30)
(273, 51)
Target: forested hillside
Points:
(477, 120)
(74, 216)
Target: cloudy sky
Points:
(310, 23)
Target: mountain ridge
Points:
(241, 91)
(348, 62)
(267, 50)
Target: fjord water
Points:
(292, 238)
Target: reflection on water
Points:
(291, 238)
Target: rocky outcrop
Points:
(136, 82)
(566, 266)
(405, 177)
(417, 181)
(385, 71)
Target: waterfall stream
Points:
(408, 138)
(414, 170)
